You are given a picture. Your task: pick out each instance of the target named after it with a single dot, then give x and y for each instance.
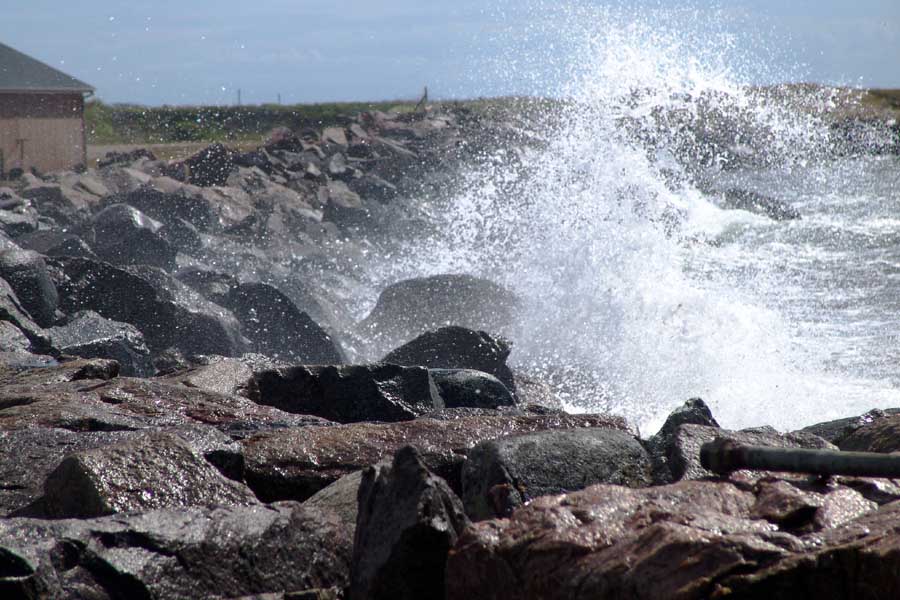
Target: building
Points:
(41, 115)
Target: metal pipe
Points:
(724, 456)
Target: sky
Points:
(203, 51)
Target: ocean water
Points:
(638, 290)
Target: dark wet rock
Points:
(505, 473)
(838, 430)
(167, 312)
(123, 235)
(738, 199)
(182, 235)
(13, 311)
(178, 554)
(408, 521)
(26, 273)
(16, 216)
(210, 166)
(296, 464)
(467, 388)
(212, 285)
(689, 540)
(65, 206)
(124, 158)
(684, 450)
(350, 393)
(89, 335)
(169, 207)
(694, 411)
(874, 433)
(410, 308)
(456, 347)
(55, 243)
(12, 340)
(277, 328)
(151, 472)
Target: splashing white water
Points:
(602, 235)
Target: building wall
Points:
(45, 131)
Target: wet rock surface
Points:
(505, 473)
(185, 553)
(349, 394)
(466, 388)
(88, 335)
(295, 464)
(408, 520)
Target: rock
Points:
(408, 521)
(176, 553)
(689, 540)
(66, 206)
(335, 135)
(123, 235)
(171, 204)
(55, 243)
(296, 464)
(340, 497)
(838, 430)
(277, 328)
(348, 394)
(457, 348)
(694, 411)
(502, 474)
(152, 472)
(530, 390)
(12, 311)
(26, 273)
(467, 388)
(410, 308)
(684, 452)
(343, 206)
(210, 166)
(62, 372)
(874, 434)
(182, 235)
(12, 340)
(167, 312)
(738, 199)
(124, 158)
(212, 285)
(89, 335)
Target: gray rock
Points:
(840, 429)
(152, 472)
(27, 274)
(467, 388)
(13, 311)
(179, 554)
(738, 199)
(167, 312)
(277, 328)
(123, 235)
(661, 445)
(168, 207)
(502, 474)
(456, 347)
(55, 243)
(684, 453)
(408, 521)
(89, 335)
(349, 394)
(409, 308)
(340, 498)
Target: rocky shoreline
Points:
(189, 409)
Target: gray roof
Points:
(21, 73)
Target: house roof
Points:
(21, 73)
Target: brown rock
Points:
(295, 464)
(877, 435)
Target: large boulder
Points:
(55, 243)
(123, 235)
(13, 311)
(408, 521)
(465, 388)
(876, 433)
(277, 328)
(167, 312)
(176, 553)
(210, 166)
(502, 474)
(26, 273)
(409, 308)
(150, 472)
(456, 347)
(168, 207)
(349, 394)
(689, 540)
(295, 464)
(695, 412)
(222, 374)
(88, 335)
